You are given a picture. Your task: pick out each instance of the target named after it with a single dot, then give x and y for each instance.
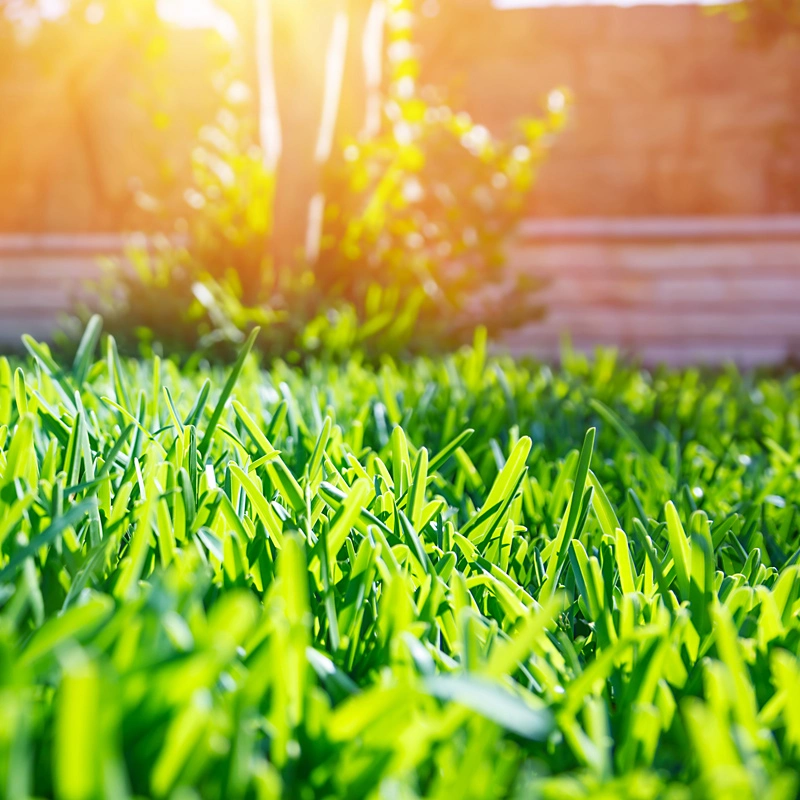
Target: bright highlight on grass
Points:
(425, 580)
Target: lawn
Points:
(453, 578)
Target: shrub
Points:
(412, 249)
(212, 279)
(426, 209)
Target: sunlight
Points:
(512, 4)
(198, 14)
(183, 13)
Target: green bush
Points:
(425, 210)
(412, 251)
(417, 580)
(212, 279)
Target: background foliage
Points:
(765, 21)
(412, 248)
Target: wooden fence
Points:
(40, 278)
(677, 290)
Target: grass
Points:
(458, 578)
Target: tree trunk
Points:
(317, 79)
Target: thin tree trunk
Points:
(316, 87)
(269, 124)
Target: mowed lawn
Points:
(454, 578)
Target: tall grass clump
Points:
(456, 578)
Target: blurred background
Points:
(386, 175)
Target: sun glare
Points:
(183, 13)
(198, 14)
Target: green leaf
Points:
(494, 702)
(227, 390)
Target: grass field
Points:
(458, 578)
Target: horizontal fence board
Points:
(23, 304)
(552, 259)
(625, 327)
(662, 228)
(697, 293)
(66, 243)
(42, 269)
(39, 326)
(92, 244)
